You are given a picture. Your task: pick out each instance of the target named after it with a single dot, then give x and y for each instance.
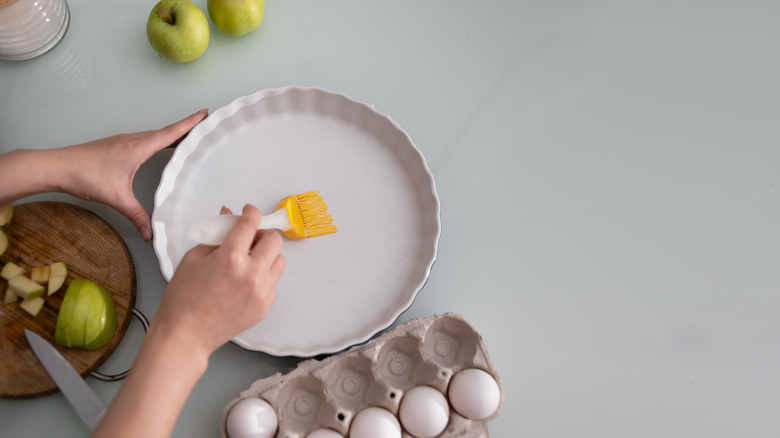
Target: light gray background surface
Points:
(608, 174)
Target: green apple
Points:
(236, 17)
(97, 332)
(178, 30)
(63, 330)
(87, 317)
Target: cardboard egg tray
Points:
(329, 393)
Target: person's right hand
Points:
(218, 292)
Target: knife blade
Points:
(80, 396)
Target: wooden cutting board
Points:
(41, 233)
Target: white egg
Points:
(474, 393)
(375, 422)
(424, 412)
(324, 433)
(252, 418)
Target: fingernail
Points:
(146, 233)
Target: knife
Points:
(75, 389)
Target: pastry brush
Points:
(297, 216)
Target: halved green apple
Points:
(63, 330)
(87, 317)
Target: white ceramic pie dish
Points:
(338, 290)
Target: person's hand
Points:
(218, 292)
(215, 294)
(103, 170)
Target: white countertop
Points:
(608, 176)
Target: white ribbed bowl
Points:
(30, 28)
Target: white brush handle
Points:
(214, 230)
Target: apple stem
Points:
(165, 15)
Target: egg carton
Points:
(329, 393)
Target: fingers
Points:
(172, 134)
(143, 224)
(277, 267)
(261, 246)
(199, 251)
(176, 131)
(131, 208)
(266, 248)
(137, 214)
(242, 236)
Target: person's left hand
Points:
(106, 168)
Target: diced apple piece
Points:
(57, 274)
(25, 288)
(55, 284)
(3, 242)
(11, 270)
(10, 297)
(40, 274)
(33, 306)
(58, 269)
(6, 213)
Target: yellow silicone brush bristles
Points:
(308, 215)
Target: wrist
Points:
(44, 169)
(68, 164)
(163, 375)
(170, 347)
